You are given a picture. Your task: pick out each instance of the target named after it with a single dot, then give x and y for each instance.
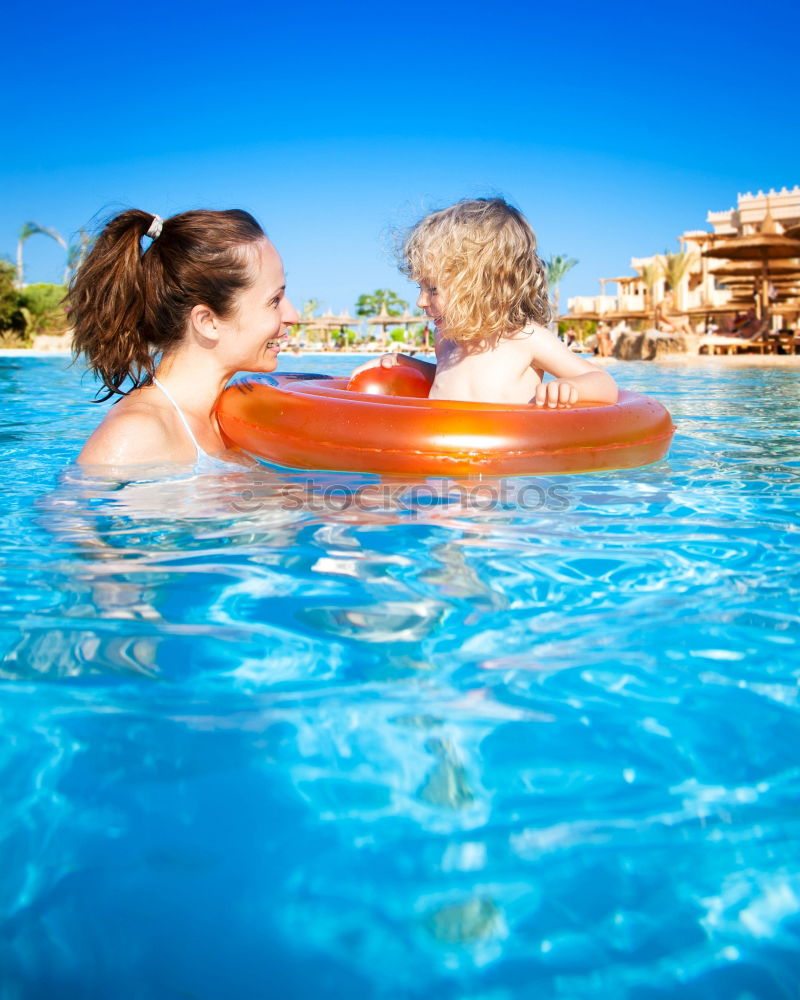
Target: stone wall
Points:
(652, 344)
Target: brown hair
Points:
(482, 253)
(126, 305)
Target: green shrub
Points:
(9, 296)
(45, 303)
(16, 320)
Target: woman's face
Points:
(256, 331)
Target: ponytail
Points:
(127, 306)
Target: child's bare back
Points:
(502, 373)
(512, 371)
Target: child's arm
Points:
(390, 360)
(577, 380)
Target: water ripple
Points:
(421, 745)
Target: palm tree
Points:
(675, 267)
(371, 305)
(76, 254)
(557, 267)
(31, 229)
(651, 274)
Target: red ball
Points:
(399, 380)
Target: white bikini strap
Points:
(184, 421)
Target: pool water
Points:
(292, 735)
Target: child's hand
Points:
(559, 392)
(384, 361)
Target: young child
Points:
(484, 287)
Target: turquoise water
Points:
(278, 735)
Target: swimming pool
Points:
(288, 735)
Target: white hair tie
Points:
(155, 227)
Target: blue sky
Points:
(613, 128)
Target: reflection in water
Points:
(258, 746)
(447, 783)
(460, 923)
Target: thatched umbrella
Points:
(384, 321)
(345, 319)
(325, 324)
(762, 248)
(591, 317)
(330, 321)
(779, 293)
(302, 326)
(407, 320)
(321, 324)
(341, 321)
(708, 312)
(702, 238)
(749, 286)
(746, 269)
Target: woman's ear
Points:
(204, 324)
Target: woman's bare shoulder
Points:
(133, 433)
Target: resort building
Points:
(705, 288)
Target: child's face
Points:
(432, 299)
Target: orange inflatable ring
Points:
(313, 422)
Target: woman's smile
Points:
(276, 343)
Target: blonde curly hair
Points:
(482, 254)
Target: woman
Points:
(204, 300)
(669, 320)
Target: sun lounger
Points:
(755, 341)
(788, 342)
